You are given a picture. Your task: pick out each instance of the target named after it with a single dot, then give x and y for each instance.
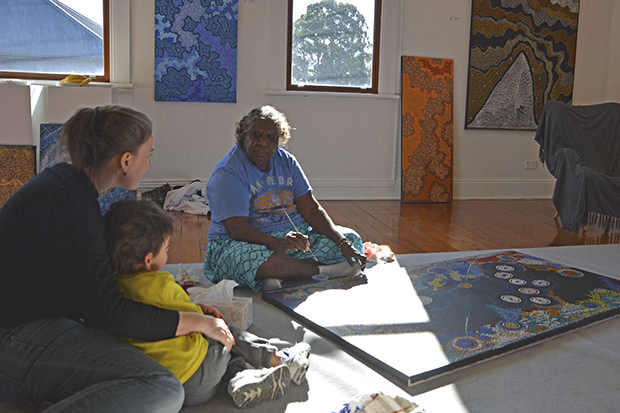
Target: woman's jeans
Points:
(80, 369)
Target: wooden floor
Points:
(416, 228)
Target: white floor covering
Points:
(575, 372)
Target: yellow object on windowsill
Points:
(76, 80)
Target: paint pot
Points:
(319, 277)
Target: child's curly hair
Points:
(134, 228)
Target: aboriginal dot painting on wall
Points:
(454, 313)
(196, 50)
(521, 54)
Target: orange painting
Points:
(427, 129)
(17, 166)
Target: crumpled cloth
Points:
(191, 198)
(580, 146)
(378, 253)
(380, 403)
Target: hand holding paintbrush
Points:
(283, 208)
(329, 271)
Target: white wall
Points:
(613, 71)
(350, 146)
(594, 41)
(15, 115)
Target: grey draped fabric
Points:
(581, 147)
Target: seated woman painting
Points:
(266, 224)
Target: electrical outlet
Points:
(531, 164)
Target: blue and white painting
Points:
(196, 50)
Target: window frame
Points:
(373, 89)
(59, 76)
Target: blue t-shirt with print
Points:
(237, 188)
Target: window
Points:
(333, 45)
(49, 39)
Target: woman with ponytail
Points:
(60, 306)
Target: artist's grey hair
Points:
(264, 112)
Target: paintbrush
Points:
(283, 208)
(316, 277)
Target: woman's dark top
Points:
(53, 261)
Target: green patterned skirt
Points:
(239, 260)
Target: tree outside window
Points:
(333, 45)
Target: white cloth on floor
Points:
(380, 403)
(191, 198)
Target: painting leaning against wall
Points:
(521, 54)
(427, 129)
(17, 166)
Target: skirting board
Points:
(503, 188)
(388, 189)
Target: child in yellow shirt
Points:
(138, 236)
